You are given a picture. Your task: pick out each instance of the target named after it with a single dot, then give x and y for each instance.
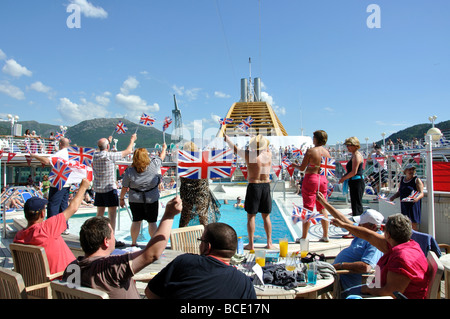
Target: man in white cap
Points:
(257, 199)
(360, 257)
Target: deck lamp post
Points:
(433, 135)
(384, 141)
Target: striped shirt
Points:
(104, 169)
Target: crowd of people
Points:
(402, 264)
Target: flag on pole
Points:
(84, 155)
(383, 197)
(60, 172)
(304, 215)
(327, 167)
(146, 120)
(167, 122)
(121, 128)
(224, 121)
(297, 152)
(206, 164)
(245, 125)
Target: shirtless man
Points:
(313, 182)
(257, 199)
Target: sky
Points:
(351, 68)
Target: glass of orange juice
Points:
(291, 263)
(283, 247)
(304, 247)
(260, 257)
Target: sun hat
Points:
(34, 204)
(408, 166)
(259, 143)
(370, 216)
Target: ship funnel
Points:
(244, 90)
(257, 88)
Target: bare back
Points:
(312, 159)
(259, 166)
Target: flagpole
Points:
(137, 128)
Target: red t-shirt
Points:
(409, 260)
(48, 235)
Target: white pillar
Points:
(430, 190)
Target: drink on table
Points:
(283, 247)
(304, 247)
(260, 257)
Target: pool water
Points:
(235, 217)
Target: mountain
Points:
(87, 133)
(417, 131)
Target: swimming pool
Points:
(235, 217)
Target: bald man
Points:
(104, 169)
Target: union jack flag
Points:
(285, 162)
(297, 152)
(121, 128)
(383, 197)
(84, 155)
(59, 135)
(245, 125)
(167, 122)
(304, 215)
(60, 172)
(327, 167)
(224, 121)
(146, 120)
(411, 197)
(206, 164)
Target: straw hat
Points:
(259, 143)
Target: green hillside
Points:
(87, 133)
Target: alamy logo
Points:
(74, 20)
(374, 20)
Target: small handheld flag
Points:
(121, 128)
(146, 120)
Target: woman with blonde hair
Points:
(142, 179)
(354, 177)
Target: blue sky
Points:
(321, 66)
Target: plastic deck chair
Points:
(63, 290)
(31, 262)
(185, 239)
(435, 271)
(25, 196)
(11, 285)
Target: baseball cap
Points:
(369, 216)
(35, 204)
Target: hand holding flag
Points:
(304, 215)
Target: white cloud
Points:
(190, 94)
(73, 112)
(269, 99)
(103, 99)
(11, 90)
(15, 69)
(221, 95)
(40, 87)
(89, 10)
(329, 109)
(135, 105)
(129, 84)
(2, 55)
